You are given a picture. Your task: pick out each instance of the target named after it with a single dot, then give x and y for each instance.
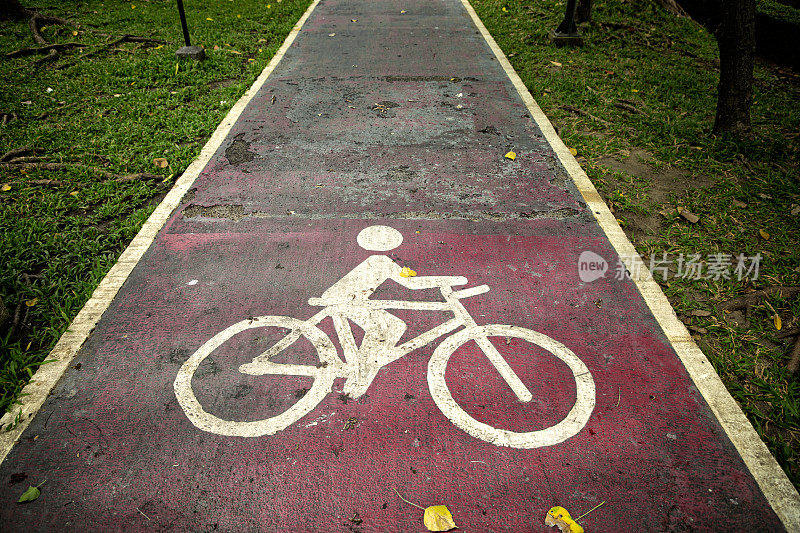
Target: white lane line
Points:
(774, 483)
(36, 391)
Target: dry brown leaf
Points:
(438, 518)
(688, 215)
(764, 234)
(160, 162)
(701, 312)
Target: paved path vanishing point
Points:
(268, 364)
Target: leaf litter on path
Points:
(436, 517)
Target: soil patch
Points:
(664, 187)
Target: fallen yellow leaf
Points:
(407, 273)
(5, 187)
(438, 518)
(209, 18)
(764, 234)
(511, 155)
(238, 16)
(504, 10)
(777, 321)
(573, 151)
(556, 63)
(74, 193)
(160, 162)
(31, 302)
(74, 33)
(559, 517)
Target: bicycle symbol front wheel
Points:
(323, 376)
(574, 421)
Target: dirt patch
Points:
(402, 173)
(230, 212)
(222, 83)
(239, 152)
(661, 185)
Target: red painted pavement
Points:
(273, 221)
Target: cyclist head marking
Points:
(379, 238)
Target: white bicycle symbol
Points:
(348, 299)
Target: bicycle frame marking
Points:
(360, 369)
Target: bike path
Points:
(393, 114)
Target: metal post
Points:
(183, 23)
(567, 32)
(193, 52)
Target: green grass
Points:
(638, 56)
(117, 108)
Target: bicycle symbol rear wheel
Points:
(323, 375)
(574, 421)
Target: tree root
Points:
(794, 360)
(3, 314)
(784, 333)
(43, 49)
(37, 18)
(16, 152)
(747, 302)
(124, 39)
(119, 178)
(582, 113)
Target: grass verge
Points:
(92, 138)
(637, 103)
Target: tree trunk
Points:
(12, 10)
(584, 11)
(737, 41)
